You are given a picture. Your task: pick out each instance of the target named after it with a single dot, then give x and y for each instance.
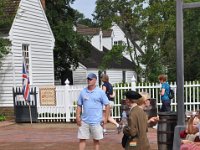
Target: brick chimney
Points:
(43, 4)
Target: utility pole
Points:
(180, 6)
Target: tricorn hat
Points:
(132, 95)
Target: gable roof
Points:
(88, 31)
(9, 10)
(95, 58)
(85, 30)
(107, 33)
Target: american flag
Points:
(25, 83)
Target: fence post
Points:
(67, 101)
(133, 83)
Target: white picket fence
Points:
(66, 98)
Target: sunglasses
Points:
(89, 79)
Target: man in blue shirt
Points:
(166, 102)
(89, 113)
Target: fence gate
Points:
(21, 108)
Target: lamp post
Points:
(180, 6)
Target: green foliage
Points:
(159, 40)
(155, 27)
(2, 117)
(4, 49)
(5, 24)
(5, 18)
(192, 44)
(70, 47)
(114, 54)
(126, 14)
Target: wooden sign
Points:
(47, 96)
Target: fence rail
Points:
(66, 100)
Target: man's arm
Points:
(78, 115)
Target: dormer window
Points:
(118, 42)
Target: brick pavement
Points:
(56, 136)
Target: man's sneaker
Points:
(119, 129)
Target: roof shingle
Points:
(9, 9)
(95, 59)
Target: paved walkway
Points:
(56, 136)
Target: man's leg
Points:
(96, 144)
(82, 144)
(97, 134)
(83, 134)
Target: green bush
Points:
(2, 118)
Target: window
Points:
(25, 54)
(118, 42)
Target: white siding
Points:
(95, 41)
(115, 76)
(129, 75)
(118, 34)
(79, 75)
(30, 27)
(107, 42)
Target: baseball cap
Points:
(91, 76)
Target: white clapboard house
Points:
(31, 39)
(101, 41)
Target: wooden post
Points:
(67, 101)
(30, 112)
(133, 83)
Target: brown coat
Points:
(137, 128)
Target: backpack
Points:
(171, 93)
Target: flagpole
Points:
(26, 87)
(30, 111)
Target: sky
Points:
(86, 7)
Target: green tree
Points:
(121, 13)
(70, 47)
(153, 25)
(5, 24)
(192, 44)
(159, 39)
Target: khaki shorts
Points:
(86, 131)
(111, 103)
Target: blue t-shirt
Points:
(165, 86)
(92, 103)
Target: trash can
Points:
(165, 131)
(23, 112)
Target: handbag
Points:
(124, 140)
